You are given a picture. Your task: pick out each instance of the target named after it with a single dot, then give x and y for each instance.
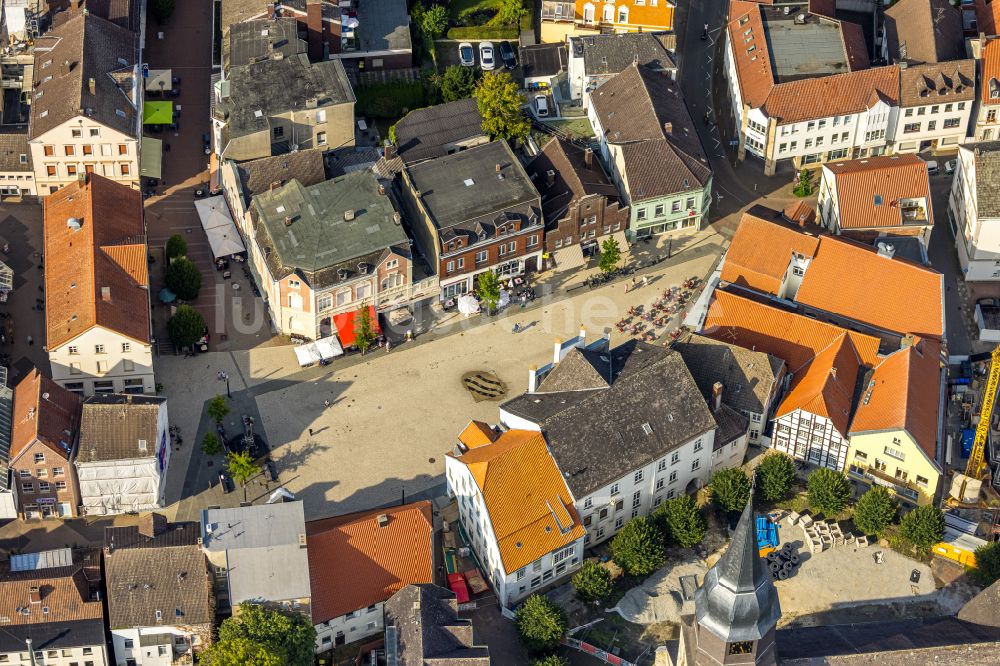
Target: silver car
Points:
(487, 56)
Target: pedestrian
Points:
(517, 328)
(645, 280)
(388, 345)
(310, 432)
(31, 341)
(326, 403)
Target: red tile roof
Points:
(64, 591)
(990, 67)
(837, 94)
(987, 16)
(107, 251)
(761, 252)
(753, 69)
(46, 412)
(354, 563)
(854, 281)
(890, 179)
(902, 394)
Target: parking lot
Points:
(446, 51)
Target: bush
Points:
(730, 489)
(509, 12)
(923, 526)
(541, 624)
(681, 522)
(638, 547)
(829, 491)
(551, 660)
(458, 83)
(875, 511)
(184, 279)
(775, 476)
(434, 21)
(186, 326)
(987, 569)
(804, 187)
(217, 409)
(592, 582)
(484, 32)
(390, 100)
(176, 246)
(211, 444)
(261, 636)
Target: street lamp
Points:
(224, 377)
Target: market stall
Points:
(321, 350)
(219, 226)
(346, 326)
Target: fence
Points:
(595, 651)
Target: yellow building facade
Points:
(588, 17)
(893, 459)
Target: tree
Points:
(551, 660)
(987, 569)
(263, 637)
(458, 83)
(829, 491)
(681, 521)
(162, 9)
(176, 246)
(875, 511)
(923, 526)
(499, 104)
(186, 327)
(804, 187)
(184, 279)
(211, 444)
(611, 254)
(364, 329)
(434, 21)
(242, 466)
(592, 582)
(509, 12)
(488, 283)
(218, 408)
(541, 624)
(730, 489)
(638, 547)
(775, 476)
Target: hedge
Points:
(484, 32)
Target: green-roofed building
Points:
(328, 248)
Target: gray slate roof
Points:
(732, 425)
(737, 600)
(14, 146)
(747, 376)
(543, 60)
(424, 133)
(95, 49)
(610, 54)
(593, 408)
(305, 166)
(256, 40)
(265, 549)
(384, 26)
(319, 239)
(427, 629)
(53, 635)
(153, 531)
(173, 581)
(112, 426)
(987, 155)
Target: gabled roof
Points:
(902, 393)
(305, 166)
(856, 282)
(938, 83)
(46, 412)
(64, 591)
(837, 94)
(426, 133)
(356, 562)
(119, 426)
(825, 386)
(530, 508)
(987, 16)
(761, 252)
(83, 49)
(577, 371)
(107, 251)
(573, 178)
(791, 337)
(14, 152)
(124, 13)
(924, 31)
(608, 54)
(172, 581)
(990, 64)
(428, 630)
(869, 190)
(477, 434)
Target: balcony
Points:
(907, 489)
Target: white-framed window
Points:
(660, 483)
(615, 489)
(619, 521)
(321, 139)
(98, 349)
(636, 498)
(675, 457)
(662, 465)
(637, 477)
(324, 302)
(343, 297)
(623, 14)
(321, 116)
(587, 503)
(126, 347)
(39, 458)
(392, 281)
(392, 263)
(695, 464)
(24, 473)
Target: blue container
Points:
(767, 533)
(968, 439)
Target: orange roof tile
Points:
(837, 94)
(825, 387)
(477, 434)
(65, 593)
(108, 250)
(987, 16)
(46, 412)
(794, 338)
(990, 67)
(761, 252)
(529, 505)
(354, 563)
(854, 281)
(753, 68)
(890, 179)
(799, 212)
(902, 393)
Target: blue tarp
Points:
(968, 438)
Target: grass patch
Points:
(484, 32)
(577, 127)
(459, 7)
(390, 100)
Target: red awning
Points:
(457, 584)
(344, 323)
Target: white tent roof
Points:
(219, 226)
(314, 352)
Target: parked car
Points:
(932, 168)
(486, 56)
(226, 483)
(466, 55)
(541, 106)
(507, 55)
(950, 166)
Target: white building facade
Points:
(103, 361)
(811, 438)
(974, 218)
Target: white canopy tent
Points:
(321, 350)
(468, 305)
(219, 226)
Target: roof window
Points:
(878, 199)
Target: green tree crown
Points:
(875, 511)
(730, 489)
(681, 521)
(184, 279)
(592, 582)
(261, 636)
(923, 526)
(364, 329)
(176, 246)
(541, 624)
(638, 547)
(829, 491)
(611, 254)
(218, 408)
(499, 102)
(488, 284)
(775, 476)
(242, 466)
(186, 326)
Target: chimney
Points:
(556, 348)
(288, 220)
(716, 396)
(550, 178)
(383, 519)
(35, 594)
(588, 158)
(65, 69)
(388, 151)
(668, 128)
(92, 85)
(581, 341)
(833, 372)
(886, 250)
(381, 189)
(152, 524)
(106, 294)
(498, 167)
(532, 378)
(349, 214)
(314, 27)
